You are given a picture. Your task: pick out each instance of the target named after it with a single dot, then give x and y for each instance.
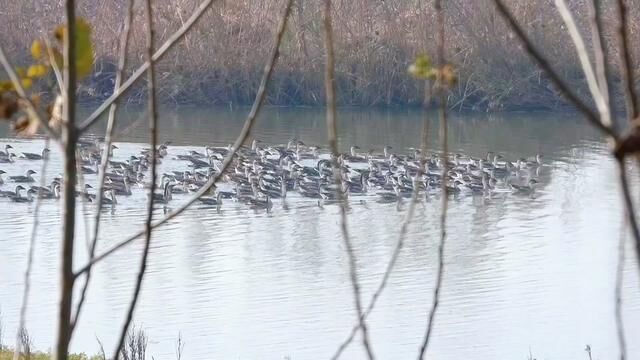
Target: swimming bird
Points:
(33, 156)
(18, 198)
(23, 178)
(6, 152)
(8, 159)
(9, 193)
(209, 200)
(524, 189)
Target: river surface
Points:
(523, 275)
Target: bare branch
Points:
(153, 132)
(54, 66)
(441, 89)
(31, 109)
(69, 137)
(106, 153)
(544, 64)
(622, 343)
(626, 194)
(242, 137)
(601, 103)
(403, 230)
(32, 249)
(329, 81)
(178, 35)
(626, 67)
(601, 62)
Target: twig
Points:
(54, 66)
(329, 81)
(445, 197)
(578, 42)
(31, 108)
(562, 86)
(69, 137)
(600, 55)
(153, 132)
(197, 14)
(242, 137)
(106, 153)
(622, 343)
(32, 249)
(626, 68)
(403, 232)
(626, 194)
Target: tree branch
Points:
(242, 137)
(601, 103)
(403, 230)
(601, 62)
(544, 64)
(329, 81)
(153, 132)
(626, 68)
(31, 109)
(69, 137)
(32, 247)
(106, 154)
(441, 88)
(622, 343)
(178, 35)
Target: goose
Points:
(6, 152)
(524, 189)
(23, 178)
(34, 156)
(9, 193)
(11, 158)
(18, 198)
(209, 200)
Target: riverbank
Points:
(221, 60)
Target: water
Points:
(522, 275)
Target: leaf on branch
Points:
(26, 83)
(36, 49)
(422, 68)
(84, 46)
(447, 75)
(36, 71)
(6, 86)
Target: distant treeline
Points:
(221, 61)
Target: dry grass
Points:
(221, 60)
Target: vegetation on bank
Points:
(220, 62)
(7, 354)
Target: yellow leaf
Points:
(26, 83)
(84, 46)
(36, 49)
(36, 71)
(6, 85)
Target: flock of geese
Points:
(259, 174)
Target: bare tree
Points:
(153, 133)
(329, 79)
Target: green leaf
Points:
(84, 46)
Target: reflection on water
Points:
(521, 274)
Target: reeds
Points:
(220, 61)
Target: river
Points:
(522, 274)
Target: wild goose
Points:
(23, 178)
(34, 156)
